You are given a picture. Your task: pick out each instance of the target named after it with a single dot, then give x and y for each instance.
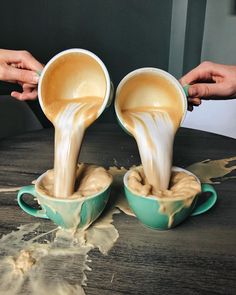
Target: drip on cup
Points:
(167, 212)
(68, 213)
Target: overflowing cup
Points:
(166, 212)
(74, 89)
(151, 104)
(77, 212)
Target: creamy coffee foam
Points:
(73, 92)
(182, 185)
(150, 107)
(90, 180)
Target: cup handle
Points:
(39, 73)
(209, 203)
(186, 87)
(30, 189)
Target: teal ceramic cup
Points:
(148, 92)
(67, 213)
(72, 74)
(166, 213)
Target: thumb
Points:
(24, 76)
(206, 90)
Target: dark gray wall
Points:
(194, 34)
(125, 34)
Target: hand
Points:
(20, 67)
(210, 81)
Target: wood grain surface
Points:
(197, 257)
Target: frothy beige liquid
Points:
(182, 185)
(74, 117)
(73, 92)
(151, 109)
(90, 179)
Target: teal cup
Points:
(166, 213)
(72, 74)
(136, 90)
(67, 213)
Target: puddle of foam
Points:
(12, 189)
(207, 170)
(9, 189)
(57, 289)
(32, 265)
(103, 234)
(36, 262)
(29, 267)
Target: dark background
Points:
(125, 34)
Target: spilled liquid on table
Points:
(40, 252)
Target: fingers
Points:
(203, 72)
(190, 107)
(30, 62)
(29, 92)
(193, 102)
(20, 66)
(206, 90)
(14, 74)
(211, 81)
(25, 95)
(21, 58)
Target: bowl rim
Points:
(155, 198)
(69, 200)
(79, 51)
(149, 70)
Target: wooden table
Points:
(197, 257)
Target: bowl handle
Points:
(30, 189)
(209, 203)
